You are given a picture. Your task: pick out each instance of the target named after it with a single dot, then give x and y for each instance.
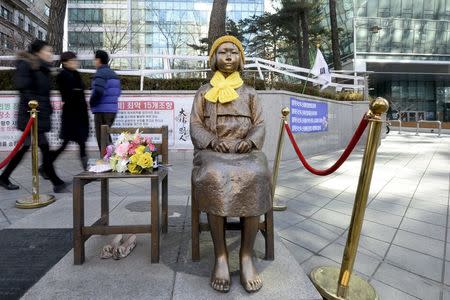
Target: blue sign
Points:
(308, 116)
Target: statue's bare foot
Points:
(220, 278)
(250, 279)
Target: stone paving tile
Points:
(407, 282)
(425, 216)
(423, 228)
(429, 206)
(313, 199)
(348, 197)
(301, 254)
(286, 192)
(321, 191)
(387, 207)
(387, 292)
(339, 206)
(447, 273)
(285, 219)
(382, 217)
(364, 264)
(304, 238)
(302, 208)
(420, 243)
(369, 246)
(378, 231)
(389, 198)
(415, 262)
(332, 217)
(321, 229)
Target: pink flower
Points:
(151, 147)
(148, 140)
(132, 149)
(122, 149)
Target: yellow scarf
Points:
(224, 88)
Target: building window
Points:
(5, 41)
(47, 10)
(21, 21)
(31, 29)
(6, 13)
(85, 40)
(85, 15)
(40, 35)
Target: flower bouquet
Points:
(131, 152)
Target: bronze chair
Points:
(266, 228)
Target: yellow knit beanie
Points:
(225, 39)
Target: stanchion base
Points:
(325, 279)
(28, 202)
(277, 207)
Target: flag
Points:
(320, 69)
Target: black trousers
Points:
(103, 119)
(47, 163)
(56, 153)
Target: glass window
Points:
(6, 13)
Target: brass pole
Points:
(36, 200)
(324, 278)
(34, 152)
(276, 164)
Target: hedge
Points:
(134, 83)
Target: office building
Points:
(22, 21)
(146, 27)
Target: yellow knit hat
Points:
(226, 39)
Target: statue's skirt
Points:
(232, 184)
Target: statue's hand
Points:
(244, 146)
(222, 147)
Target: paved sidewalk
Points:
(403, 247)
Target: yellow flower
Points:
(145, 160)
(140, 149)
(134, 158)
(134, 168)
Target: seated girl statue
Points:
(230, 177)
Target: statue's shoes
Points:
(107, 250)
(129, 243)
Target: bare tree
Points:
(56, 24)
(334, 36)
(217, 20)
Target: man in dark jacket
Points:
(105, 94)
(32, 79)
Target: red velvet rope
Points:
(351, 145)
(19, 143)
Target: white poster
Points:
(135, 110)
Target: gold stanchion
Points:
(276, 164)
(331, 282)
(35, 200)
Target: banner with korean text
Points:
(308, 116)
(135, 110)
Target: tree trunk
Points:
(56, 25)
(305, 37)
(299, 40)
(217, 21)
(334, 36)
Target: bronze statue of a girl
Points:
(230, 176)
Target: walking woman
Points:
(32, 79)
(74, 118)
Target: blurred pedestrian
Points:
(32, 79)
(74, 117)
(105, 94)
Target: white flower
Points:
(122, 165)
